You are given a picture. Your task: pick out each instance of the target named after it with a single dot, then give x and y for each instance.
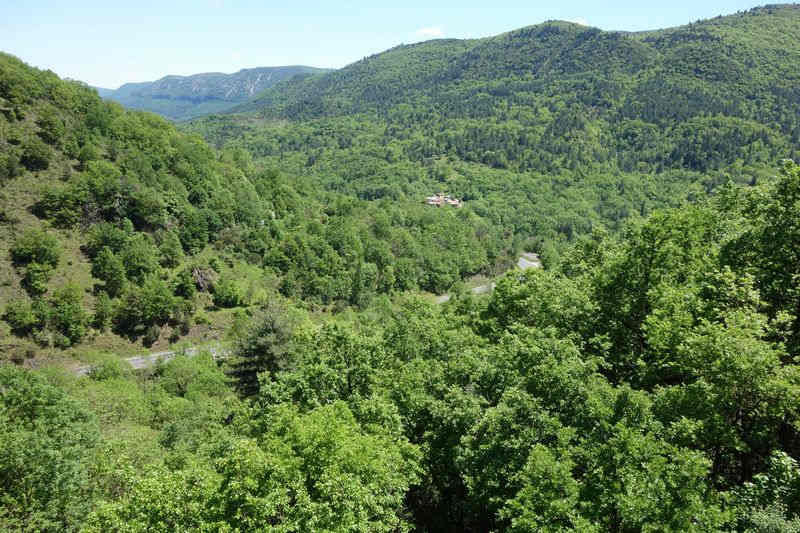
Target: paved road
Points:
(525, 261)
(144, 361)
(529, 260)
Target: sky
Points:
(111, 42)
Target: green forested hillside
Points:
(647, 383)
(740, 65)
(185, 97)
(646, 380)
(118, 229)
(551, 129)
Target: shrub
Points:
(51, 127)
(59, 340)
(103, 311)
(115, 237)
(9, 165)
(228, 293)
(183, 315)
(184, 284)
(202, 319)
(35, 154)
(140, 257)
(36, 246)
(171, 250)
(67, 315)
(48, 447)
(193, 231)
(147, 208)
(36, 278)
(108, 268)
(145, 305)
(64, 205)
(110, 369)
(21, 317)
(6, 218)
(151, 335)
(87, 153)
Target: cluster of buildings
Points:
(441, 199)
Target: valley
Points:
(230, 302)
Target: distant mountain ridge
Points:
(720, 65)
(619, 123)
(185, 97)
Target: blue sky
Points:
(111, 42)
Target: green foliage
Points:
(149, 304)
(357, 482)
(228, 293)
(184, 284)
(36, 155)
(104, 234)
(540, 149)
(46, 444)
(540, 299)
(36, 246)
(543, 407)
(151, 334)
(67, 315)
(332, 364)
(87, 153)
(9, 166)
(309, 472)
(35, 278)
(549, 496)
(163, 500)
(770, 501)
(773, 519)
(110, 269)
(21, 317)
(194, 230)
(170, 249)
(109, 369)
(770, 247)
(647, 380)
(140, 258)
(264, 348)
(192, 377)
(51, 127)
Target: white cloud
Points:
(431, 32)
(580, 21)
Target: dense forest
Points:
(547, 131)
(118, 229)
(646, 379)
(648, 383)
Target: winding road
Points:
(144, 361)
(525, 261)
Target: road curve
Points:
(525, 261)
(144, 361)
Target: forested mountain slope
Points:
(741, 65)
(647, 380)
(184, 97)
(647, 383)
(119, 230)
(549, 130)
